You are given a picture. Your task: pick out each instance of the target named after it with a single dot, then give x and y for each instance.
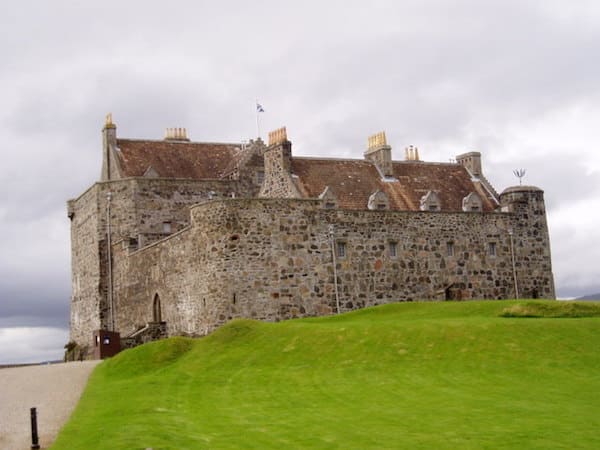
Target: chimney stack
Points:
(380, 153)
(109, 144)
(472, 162)
(411, 153)
(176, 134)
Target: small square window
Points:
(393, 249)
(450, 248)
(166, 227)
(341, 249)
(492, 249)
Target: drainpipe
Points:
(109, 274)
(514, 268)
(332, 240)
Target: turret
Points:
(530, 241)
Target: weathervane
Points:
(520, 173)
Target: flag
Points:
(259, 107)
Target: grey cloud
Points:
(448, 77)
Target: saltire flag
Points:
(259, 107)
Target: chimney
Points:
(279, 150)
(109, 144)
(471, 161)
(379, 153)
(411, 153)
(176, 134)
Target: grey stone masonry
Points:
(179, 237)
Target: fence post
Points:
(35, 445)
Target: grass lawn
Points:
(410, 375)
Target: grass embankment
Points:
(411, 375)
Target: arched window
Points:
(156, 313)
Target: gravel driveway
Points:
(53, 389)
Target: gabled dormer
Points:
(430, 202)
(378, 200)
(328, 198)
(472, 202)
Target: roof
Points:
(175, 159)
(353, 181)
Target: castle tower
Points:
(530, 241)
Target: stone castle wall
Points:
(139, 210)
(271, 259)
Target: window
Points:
(393, 249)
(341, 249)
(166, 227)
(260, 176)
(492, 249)
(329, 205)
(450, 248)
(381, 206)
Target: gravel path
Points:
(53, 389)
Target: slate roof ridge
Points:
(169, 141)
(329, 158)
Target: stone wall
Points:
(139, 210)
(271, 259)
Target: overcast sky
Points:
(516, 80)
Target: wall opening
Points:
(156, 312)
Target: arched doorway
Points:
(156, 312)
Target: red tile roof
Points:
(175, 159)
(353, 181)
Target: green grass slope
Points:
(409, 375)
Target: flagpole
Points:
(257, 124)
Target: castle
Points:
(179, 237)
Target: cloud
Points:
(29, 344)
(516, 80)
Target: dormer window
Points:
(328, 198)
(472, 202)
(431, 202)
(378, 200)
